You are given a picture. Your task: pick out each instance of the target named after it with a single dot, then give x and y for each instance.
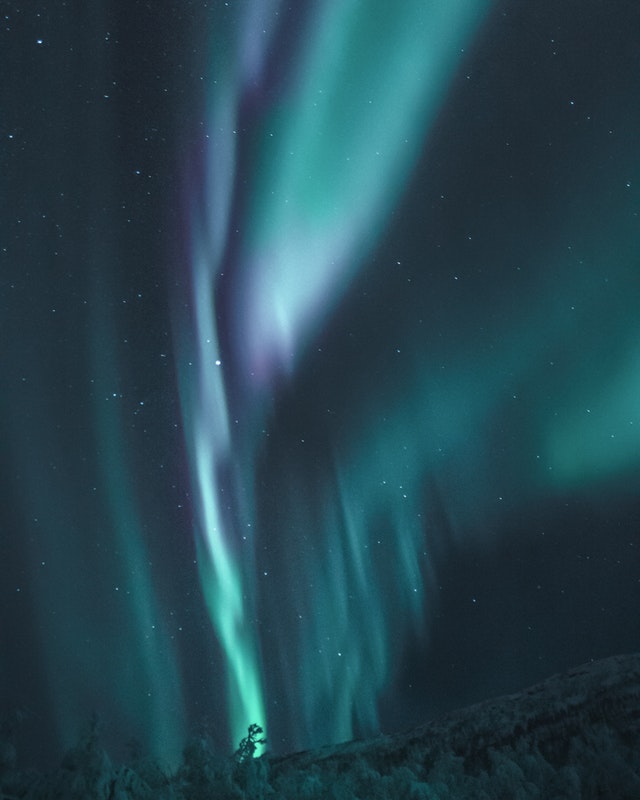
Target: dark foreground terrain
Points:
(576, 735)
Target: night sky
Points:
(320, 361)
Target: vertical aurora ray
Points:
(145, 669)
(89, 633)
(225, 577)
(221, 573)
(313, 174)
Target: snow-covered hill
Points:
(575, 735)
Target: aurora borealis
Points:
(331, 155)
(320, 382)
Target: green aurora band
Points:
(329, 159)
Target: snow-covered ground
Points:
(576, 735)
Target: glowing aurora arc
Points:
(331, 156)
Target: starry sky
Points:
(320, 367)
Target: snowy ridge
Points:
(575, 735)
(606, 691)
(546, 714)
(564, 721)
